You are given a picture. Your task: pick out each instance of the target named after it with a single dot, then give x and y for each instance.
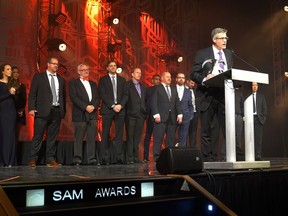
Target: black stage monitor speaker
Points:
(179, 161)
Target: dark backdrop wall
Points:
(149, 30)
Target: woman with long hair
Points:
(8, 155)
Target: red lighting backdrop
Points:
(147, 29)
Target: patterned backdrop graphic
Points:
(142, 34)
(150, 35)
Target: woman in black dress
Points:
(20, 99)
(8, 156)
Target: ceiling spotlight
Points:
(112, 20)
(286, 74)
(180, 59)
(56, 44)
(286, 8)
(119, 70)
(62, 47)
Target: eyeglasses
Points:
(180, 77)
(54, 63)
(223, 38)
(86, 70)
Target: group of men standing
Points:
(122, 104)
(128, 104)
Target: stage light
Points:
(112, 48)
(112, 20)
(286, 74)
(180, 59)
(57, 19)
(56, 44)
(119, 70)
(286, 8)
(170, 57)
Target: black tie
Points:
(168, 91)
(254, 104)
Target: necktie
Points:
(221, 63)
(137, 85)
(254, 103)
(53, 89)
(114, 89)
(168, 91)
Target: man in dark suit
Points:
(114, 96)
(193, 124)
(209, 62)
(260, 113)
(167, 112)
(85, 100)
(185, 98)
(150, 119)
(46, 103)
(135, 115)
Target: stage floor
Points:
(42, 173)
(26, 174)
(75, 188)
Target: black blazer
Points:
(106, 94)
(186, 105)
(261, 107)
(80, 100)
(160, 103)
(148, 98)
(40, 96)
(136, 105)
(198, 74)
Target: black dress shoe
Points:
(145, 161)
(120, 161)
(77, 163)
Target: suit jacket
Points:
(186, 105)
(261, 107)
(107, 97)
(148, 98)
(80, 100)
(40, 96)
(198, 74)
(136, 105)
(161, 104)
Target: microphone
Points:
(244, 60)
(208, 65)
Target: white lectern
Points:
(222, 80)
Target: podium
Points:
(225, 80)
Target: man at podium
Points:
(209, 62)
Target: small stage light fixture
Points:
(56, 44)
(112, 20)
(57, 19)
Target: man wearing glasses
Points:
(46, 103)
(209, 62)
(185, 99)
(85, 99)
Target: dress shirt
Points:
(87, 88)
(180, 91)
